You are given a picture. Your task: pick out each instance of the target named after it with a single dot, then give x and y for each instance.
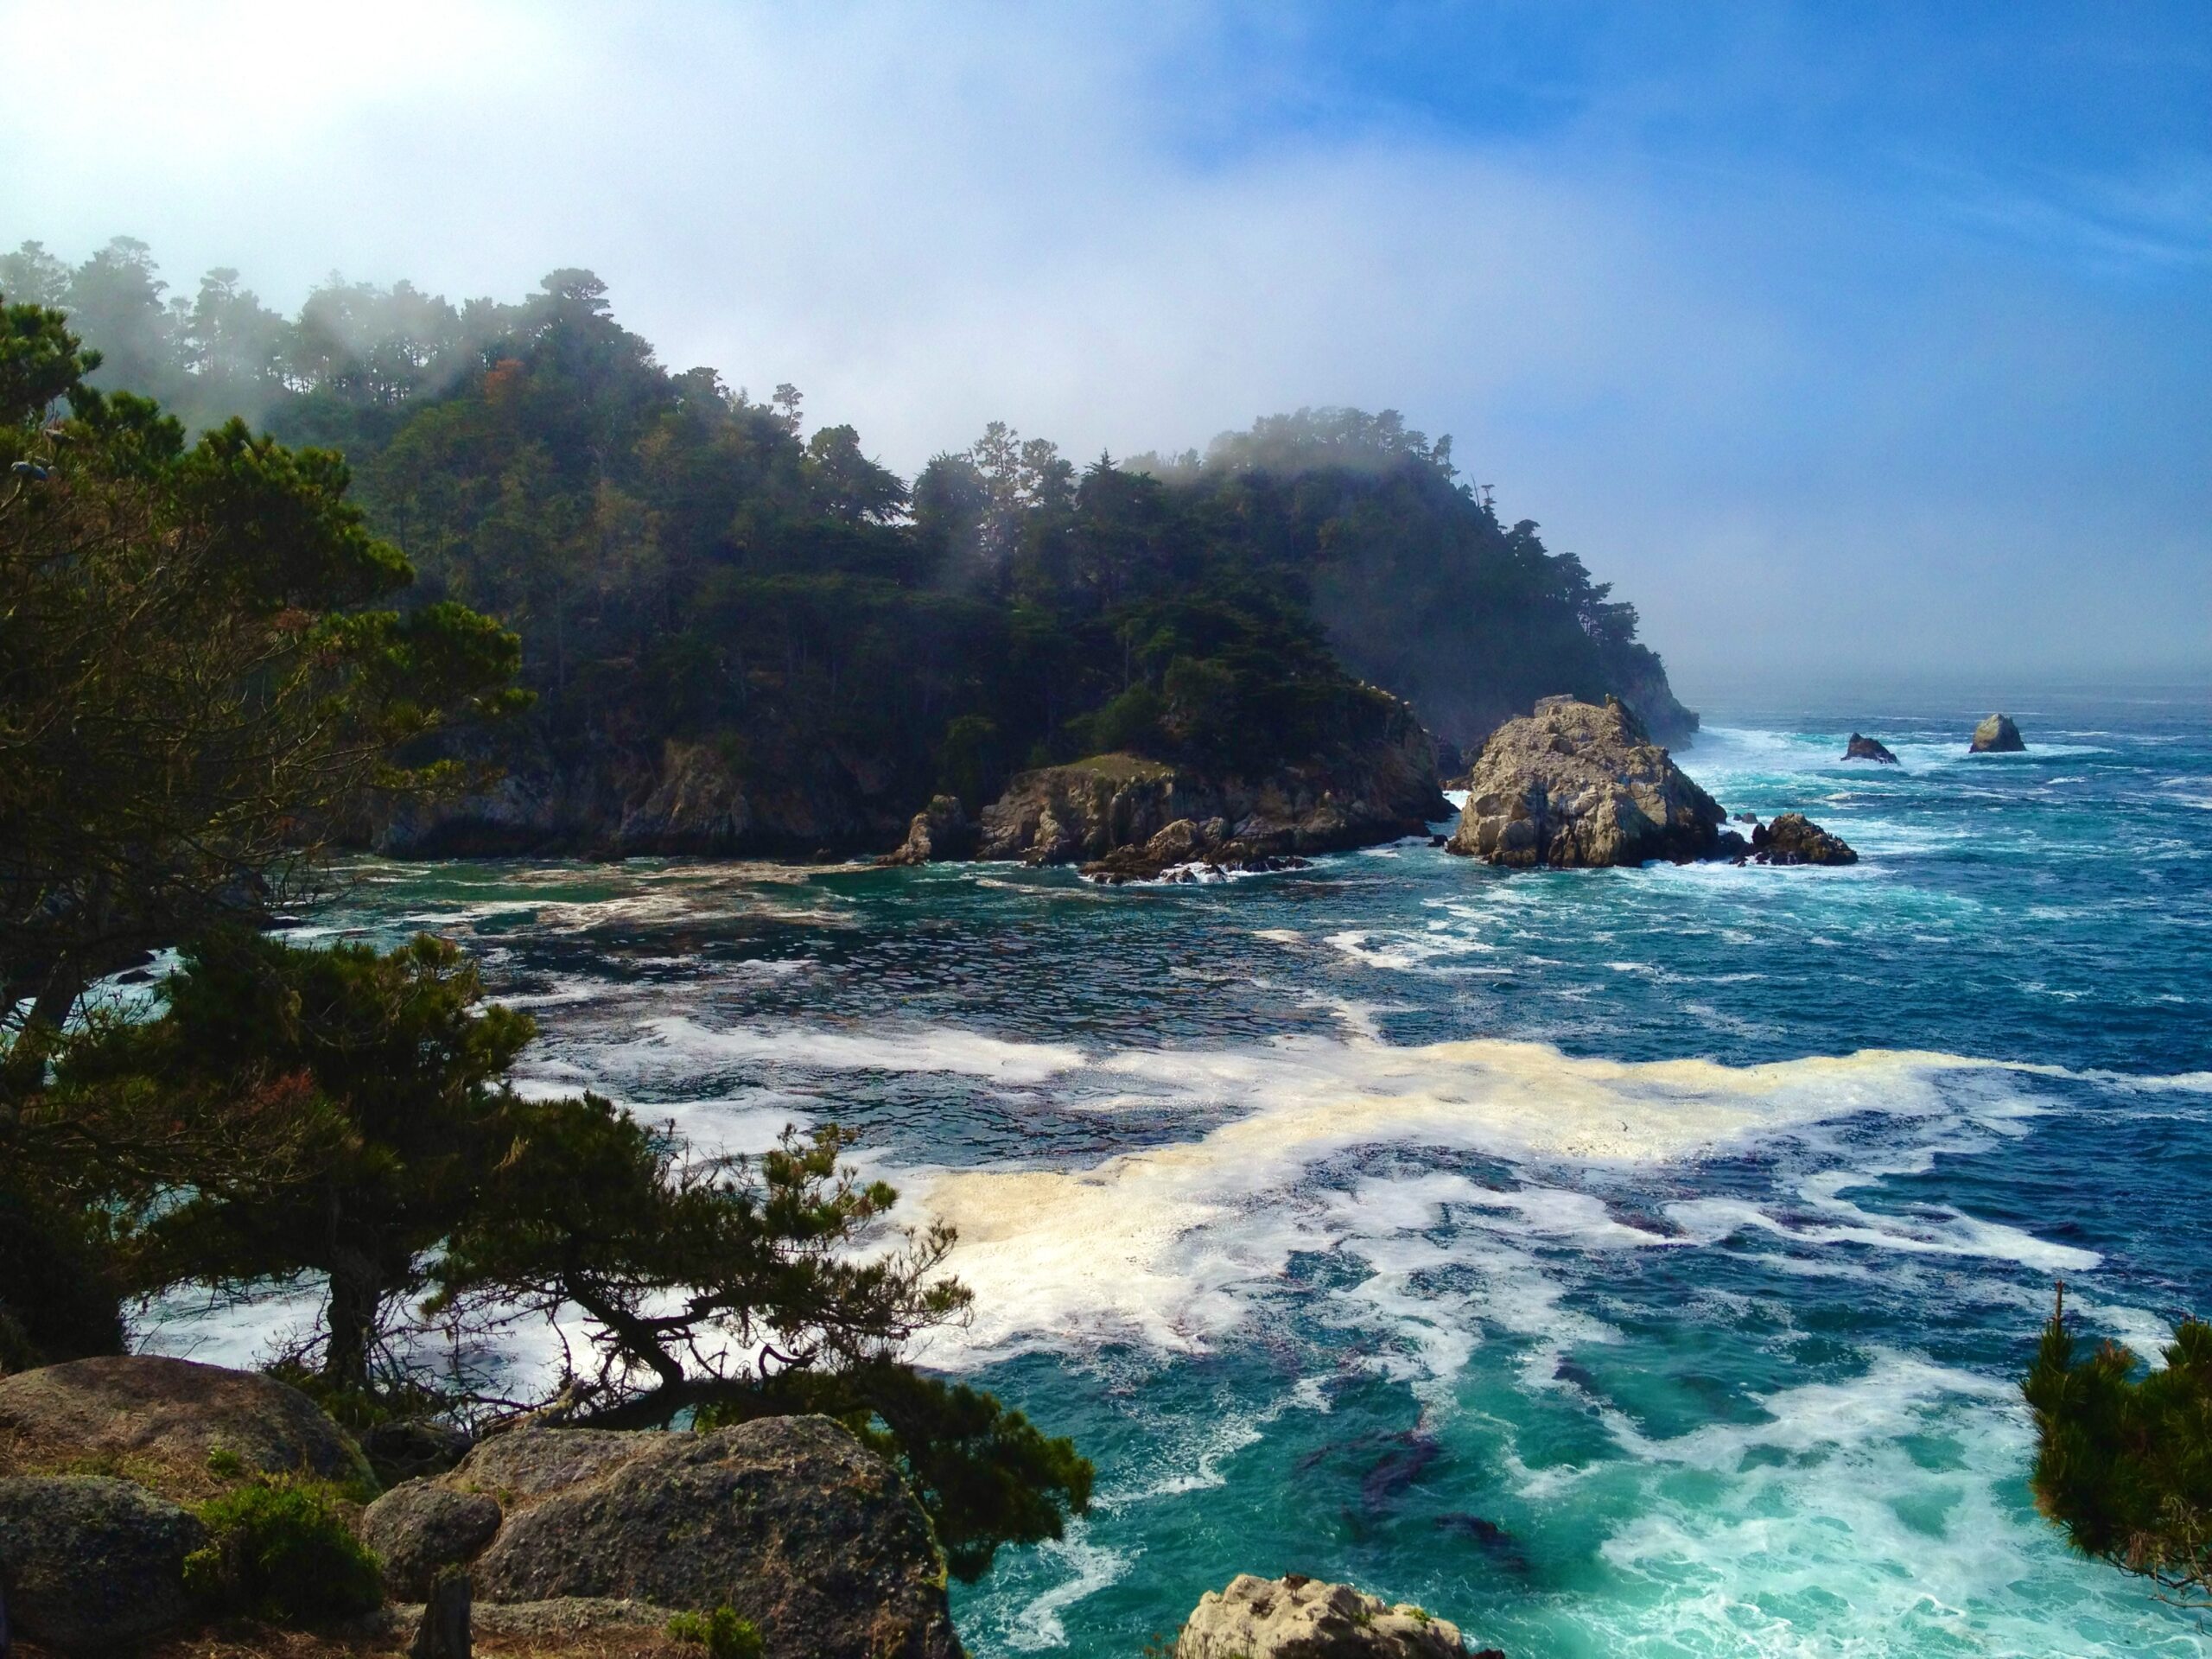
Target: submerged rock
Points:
(1869, 749)
(1793, 838)
(1298, 1617)
(91, 1565)
(1575, 784)
(1996, 735)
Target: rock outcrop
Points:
(1868, 748)
(420, 1526)
(789, 1521)
(1996, 735)
(781, 799)
(940, 833)
(1793, 838)
(165, 1417)
(1089, 810)
(1574, 785)
(1298, 1617)
(93, 1565)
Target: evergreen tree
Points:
(2124, 1455)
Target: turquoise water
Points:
(1622, 1262)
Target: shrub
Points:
(722, 1633)
(281, 1549)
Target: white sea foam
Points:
(935, 1048)
(1166, 1246)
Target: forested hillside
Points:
(745, 635)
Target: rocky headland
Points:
(1124, 816)
(1997, 734)
(1868, 748)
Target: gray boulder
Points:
(91, 1565)
(531, 1461)
(1299, 1618)
(1574, 785)
(789, 1521)
(167, 1415)
(1868, 748)
(1996, 735)
(421, 1526)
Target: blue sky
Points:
(1852, 341)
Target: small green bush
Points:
(722, 1633)
(281, 1549)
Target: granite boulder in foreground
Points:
(167, 1417)
(1996, 735)
(1577, 785)
(93, 1565)
(1299, 1618)
(788, 1520)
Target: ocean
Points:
(1625, 1262)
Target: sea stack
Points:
(1996, 735)
(1573, 785)
(1869, 749)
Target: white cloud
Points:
(1759, 403)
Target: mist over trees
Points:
(685, 563)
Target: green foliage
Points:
(722, 1633)
(191, 695)
(2124, 1457)
(983, 1473)
(282, 1549)
(332, 1111)
(685, 561)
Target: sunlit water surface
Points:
(1628, 1263)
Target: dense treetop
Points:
(685, 561)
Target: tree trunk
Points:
(356, 1295)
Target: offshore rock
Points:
(165, 1416)
(1573, 785)
(1996, 735)
(1868, 748)
(939, 833)
(1793, 838)
(91, 1565)
(1299, 1618)
(787, 1521)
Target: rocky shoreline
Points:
(582, 1543)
